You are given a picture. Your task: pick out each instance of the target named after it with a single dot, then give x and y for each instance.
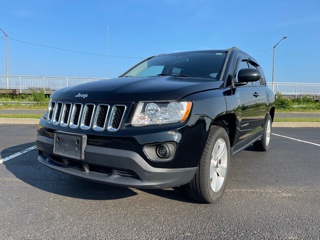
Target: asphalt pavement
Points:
(269, 195)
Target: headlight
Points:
(157, 113)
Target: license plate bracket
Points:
(69, 145)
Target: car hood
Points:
(136, 89)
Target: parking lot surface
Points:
(269, 195)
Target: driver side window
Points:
(241, 65)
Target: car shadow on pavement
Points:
(250, 149)
(27, 169)
(171, 194)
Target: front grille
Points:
(98, 117)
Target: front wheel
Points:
(264, 142)
(210, 179)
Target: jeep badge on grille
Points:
(81, 95)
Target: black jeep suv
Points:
(173, 120)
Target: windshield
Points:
(204, 64)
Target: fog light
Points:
(162, 151)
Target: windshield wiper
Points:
(174, 75)
(163, 74)
(181, 75)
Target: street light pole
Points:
(107, 63)
(273, 58)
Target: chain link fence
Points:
(41, 82)
(296, 89)
(20, 83)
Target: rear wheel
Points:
(264, 142)
(210, 179)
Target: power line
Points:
(299, 54)
(288, 52)
(261, 50)
(73, 51)
(116, 56)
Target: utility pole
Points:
(107, 63)
(273, 59)
(7, 74)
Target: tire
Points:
(209, 182)
(264, 143)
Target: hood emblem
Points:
(81, 95)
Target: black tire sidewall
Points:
(264, 144)
(208, 194)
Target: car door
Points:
(262, 98)
(244, 101)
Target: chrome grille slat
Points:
(99, 117)
(75, 115)
(87, 116)
(57, 112)
(116, 116)
(51, 110)
(65, 115)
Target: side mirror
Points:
(248, 75)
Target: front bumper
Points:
(114, 166)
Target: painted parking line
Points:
(17, 154)
(295, 139)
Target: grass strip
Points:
(37, 116)
(296, 111)
(23, 107)
(297, 119)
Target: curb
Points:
(275, 124)
(19, 121)
(296, 124)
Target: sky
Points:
(104, 38)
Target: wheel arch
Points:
(228, 122)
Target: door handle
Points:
(256, 94)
